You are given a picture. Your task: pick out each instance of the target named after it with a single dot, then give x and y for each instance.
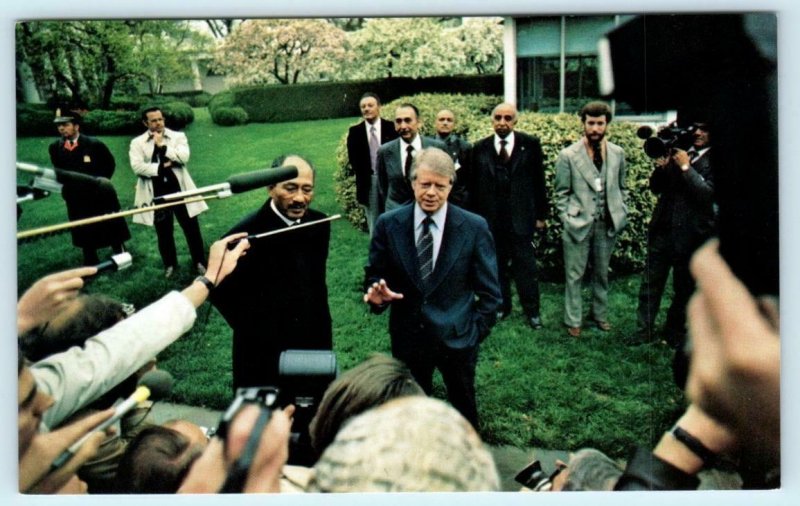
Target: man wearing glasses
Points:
(507, 188)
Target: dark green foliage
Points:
(555, 131)
(112, 122)
(35, 119)
(230, 116)
(177, 114)
(307, 101)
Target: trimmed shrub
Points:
(555, 131)
(177, 114)
(34, 120)
(230, 116)
(111, 122)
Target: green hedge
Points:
(310, 101)
(124, 119)
(555, 132)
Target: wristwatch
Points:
(685, 167)
(708, 457)
(209, 285)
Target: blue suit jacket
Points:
(458, 306)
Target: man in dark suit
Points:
(683, 219)
(507, 188)
(278, 297)
(459, 150)
(363, 141)
(434, 264)
(395, 158)
(80, 153)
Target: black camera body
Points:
(534, 478)
(304, 375)
(668, 138)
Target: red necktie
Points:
(70, 145)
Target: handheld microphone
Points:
(117, 262)
(26, 193)
(157, 383)
(250, 237)
(237, 184)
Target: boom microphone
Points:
(117, 262)
(237, 184)
(155, 383)
(57, 175)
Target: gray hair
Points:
(410, 444)
(591, 469)
(436, 161)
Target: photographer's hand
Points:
(47, 296)
(210, 470)
(681, 159)
(734, 374)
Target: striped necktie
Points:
(425, 250)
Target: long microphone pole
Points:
(110, 216)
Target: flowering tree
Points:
(423, 47)
(285, 51)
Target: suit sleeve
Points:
(105, 163)
(376, 267)
(542, 203)
(563, 185)
(358, 170)
(701, 188)
(383, 180)
(178, 148)
(485, 281)
(140, 162)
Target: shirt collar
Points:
(438, 217)
(417, 143)
(377, 126)
(286, 220)
(509, 139)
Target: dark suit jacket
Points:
(276, 298)
(528, 198)
(358, 154)
(394, 189)
(461, 153)
(458, 306)
(84, 200)
(685, 208)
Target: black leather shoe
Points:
(535, 322)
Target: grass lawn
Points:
(534, 388)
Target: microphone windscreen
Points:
(159, 382)
(260, 178)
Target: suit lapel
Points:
(585, 165)
(452, 243)
(403, 238)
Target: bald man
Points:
(278, 299)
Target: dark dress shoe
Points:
(535, 322)
(574, 331)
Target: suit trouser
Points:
(166, 241)
(518, 251)
(599, 245)
(371, 210)
(661, 257)
(458, 372)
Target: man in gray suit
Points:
(395, 158)
(590, 198)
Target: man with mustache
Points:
(590, 198)
(395, 158)
(278, 299)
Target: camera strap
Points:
(237, 475)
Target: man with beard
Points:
(590, 198)
(395, 158)
(277, 299)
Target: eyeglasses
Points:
(533, 476)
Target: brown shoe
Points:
(604, 326)
(574, 331)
